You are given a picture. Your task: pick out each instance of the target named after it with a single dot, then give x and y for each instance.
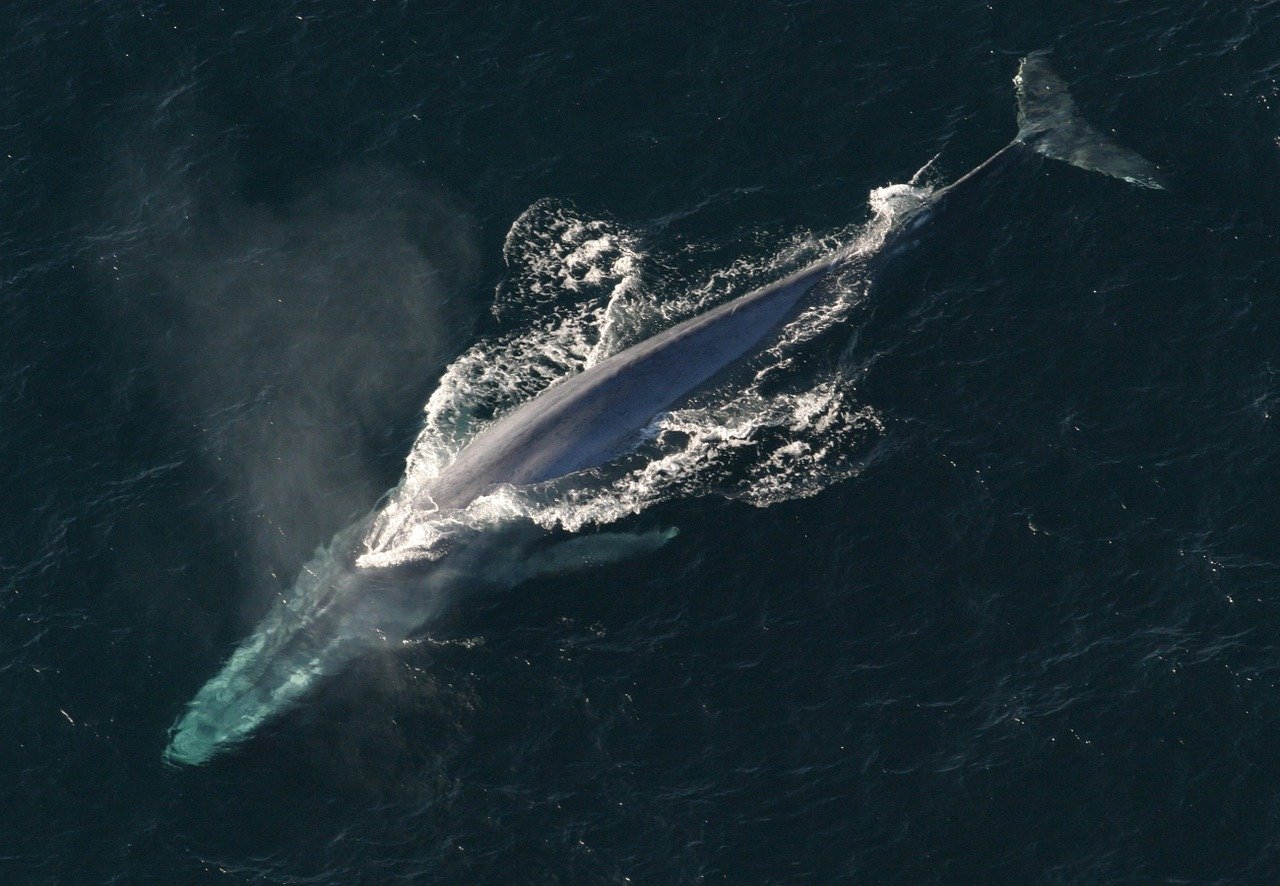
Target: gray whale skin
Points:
(338, 611)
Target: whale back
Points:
(591, 418)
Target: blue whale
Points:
(338, 610)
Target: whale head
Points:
(335, 612)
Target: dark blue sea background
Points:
(1034, 635)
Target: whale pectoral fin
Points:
(1050, 123)
(596, 550)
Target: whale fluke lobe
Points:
(1050, 122)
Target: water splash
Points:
(581, 289)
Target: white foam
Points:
(576, 293)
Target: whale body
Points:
(590, 418)
(338, 610)
(587, 420)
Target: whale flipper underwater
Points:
(340, 608)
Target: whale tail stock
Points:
(1050, 123)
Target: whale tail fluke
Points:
(1049, 122)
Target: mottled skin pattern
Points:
(588, 419)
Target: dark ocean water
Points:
(1033, 636)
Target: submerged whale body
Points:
(338, 610)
